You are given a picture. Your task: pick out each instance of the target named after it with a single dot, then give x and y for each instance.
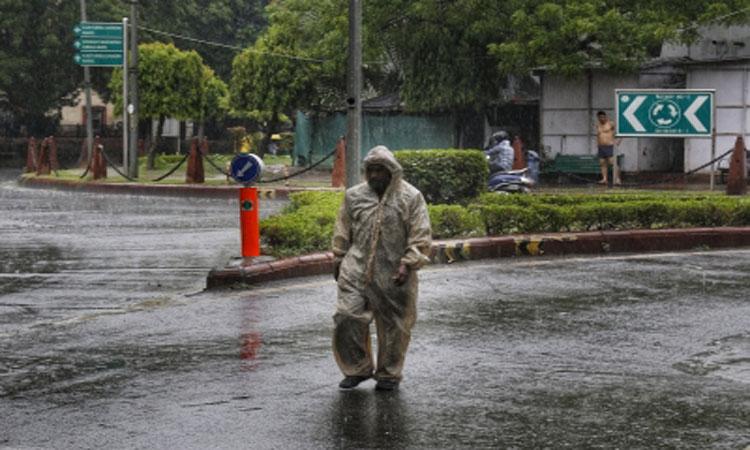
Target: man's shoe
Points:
(351, 382)
(386, 385)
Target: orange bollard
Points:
(53, 161)
(338, 176)
(194, 172)
(98, 163)
(31, 156)
(737, 180)
(519, 162)
(42, 164)
(249, 222)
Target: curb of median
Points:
(254, 271)
(172, 190)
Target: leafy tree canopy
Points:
(37, 71)
(229, 22)
(172, 83)
(567, 36)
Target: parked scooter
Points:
(502, 179)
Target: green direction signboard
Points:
(664, 113)
(98, 44)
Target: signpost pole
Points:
(87, 87)
(713, 157)
(133, 122)
(125, 161)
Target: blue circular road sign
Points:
(246, 168)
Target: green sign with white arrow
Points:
(98, 44)
(664, 113)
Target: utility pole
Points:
(354, 90)
(87, 87)
(132, 108)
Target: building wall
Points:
(568, 116)
(74, 115)
(732, 99)
(568, 113)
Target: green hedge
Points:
(587, 216)
(450, 221)
(306, 225)
(445, 176)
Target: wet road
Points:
(102, 345)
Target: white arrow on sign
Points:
(244, 169)
(692, 109)
(629, 113)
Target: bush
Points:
(445, 176)
(306, 225)
(450, 221)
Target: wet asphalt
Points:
(108, 341)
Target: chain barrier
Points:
(212, 163)
(114, 167)
(306, 169)
(216, 166)
(652, 183)
(182, 161)
(285, 177)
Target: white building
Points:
(720, 60)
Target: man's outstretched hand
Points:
(402, 275)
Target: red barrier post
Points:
(737, 180)
(53, 162)
(249, 222)
(519, 161)
(31, 156)
(42, 165)
(338, 175)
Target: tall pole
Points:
(132, 108)
(125, 129)
(87, 87)
(354, 89)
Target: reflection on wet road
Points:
(616, 352)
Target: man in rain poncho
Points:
(382, 237)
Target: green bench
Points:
(578, 164)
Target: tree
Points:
(434, 53)
(269, 80)
(215, 102)
(171, 83)
(568, 36)
(37, 71)
(229, 22)
(439, 50)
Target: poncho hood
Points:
(381, 155)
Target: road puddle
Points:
(727, 358)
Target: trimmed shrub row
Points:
(505, 219)
(307, 223)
